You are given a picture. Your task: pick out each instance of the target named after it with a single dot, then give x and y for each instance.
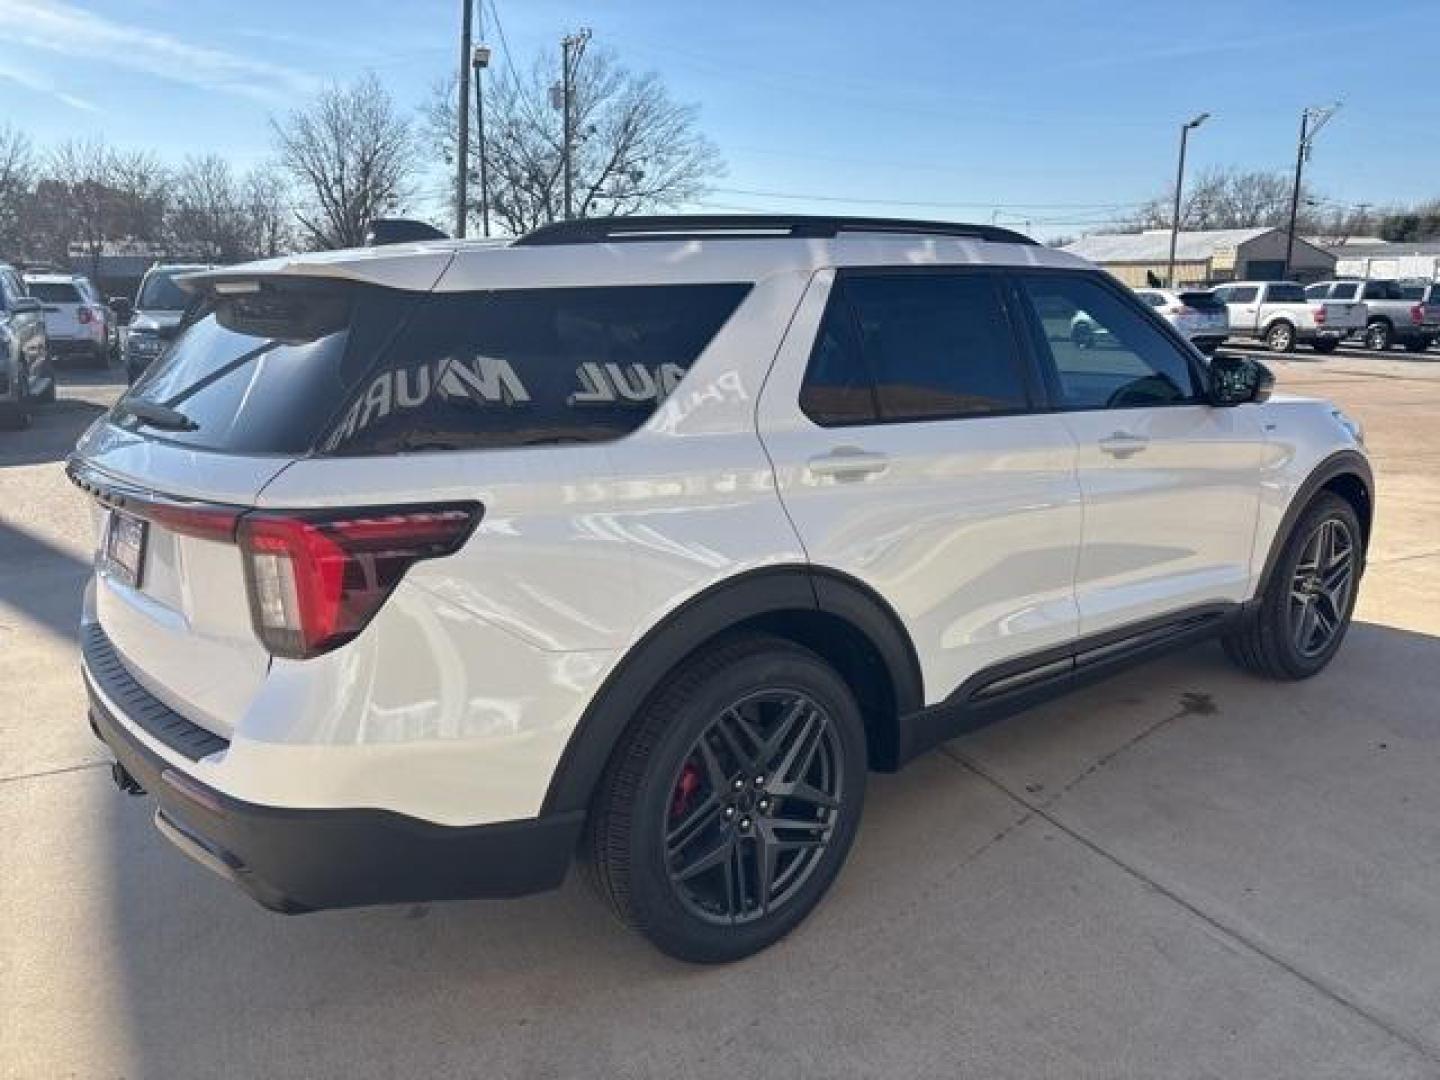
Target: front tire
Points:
(731, 804)
(1302, 618)
(1280, 337)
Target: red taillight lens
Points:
(1319, 316)
(316, 579)
(84, 314)
(1417, 314)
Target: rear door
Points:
(910, 454)
(1242, 304)
(1171, 485)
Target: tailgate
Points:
(182, 625)
(63, 321)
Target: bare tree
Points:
(636, 150)
(1231, 199)
(138, 185)
(208, 213)
(74, 190)
(17, 179)
(265, 197)
(351, 155)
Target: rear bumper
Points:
(296, 860)
(64, 348)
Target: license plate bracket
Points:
(123, 553)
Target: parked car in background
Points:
(1427, 294)
(1195, 313)
(1281, 315)
(1390, 317)
(25, 373)
(159, 305)
(416, 575)
(77, 320)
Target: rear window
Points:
(1201, 300)
(346, 369)
(1285, 294)
(160, 293)
(54, 292)
(527, 367)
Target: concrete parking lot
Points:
(1182, 872)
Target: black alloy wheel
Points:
(1320, 587)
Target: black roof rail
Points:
(384, 231)
(607, 230)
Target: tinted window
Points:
(1105, 352)
(1412, 292)
(1382, 290)
(837, 387)
(1241, 294)
(937, 345)
(1284, 294)
(1154, 299)
(54, 292)
(1201, 300)
(531, 366)
(160, 293)
(1346, 290)
(1317, 292)
(266, 374)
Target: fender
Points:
(1341, 463)
(749, 596)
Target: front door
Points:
(1171, 483)
(910, 455)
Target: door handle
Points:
(1123, 444)
(848, 462)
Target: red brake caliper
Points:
(685, 789)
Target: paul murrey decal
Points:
(491, 381)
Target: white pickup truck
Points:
(1280, 314)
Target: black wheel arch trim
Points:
(1339, 464)
(704, 617)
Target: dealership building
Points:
(1204, 257)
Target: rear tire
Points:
(1280, 337)
(730, 805)
(1325, 345)
(1378, 336)
(1300, 622)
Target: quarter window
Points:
(1104, 353)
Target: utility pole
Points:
(1185, 130)
(462, 141)
(572, 48)
(1311, 121)
(480, 60)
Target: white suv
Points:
(421, 567)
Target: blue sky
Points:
(1052, 112)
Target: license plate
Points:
(124, 552)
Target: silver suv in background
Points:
(25, 374)
(1391, 317)
(1195, 313)
(159, 305)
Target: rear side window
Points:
(1344, 291)
(1105, 353)
(934, 346)
(1241, 294)
(1284, 294)
(54, 292)
(1201, 300)
(528, 367)
(1317, 292)
(158, 292)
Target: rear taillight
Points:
(1417, 314)
(1319, 316)
(85, 315)
(317, 579)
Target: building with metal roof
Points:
(1203, 257)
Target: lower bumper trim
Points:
(295, 860)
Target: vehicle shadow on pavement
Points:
(1109, 859)
(51, 435)
(41, 581)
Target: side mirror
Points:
(26, 305)
(1236, 380)
(123, 309)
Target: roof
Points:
(1153, 245)
(458, 265)
(50, 277)
(1390, 250)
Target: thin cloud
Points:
(61, 28)
(41, 85)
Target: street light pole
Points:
(480, 60)
(462, 141)
(1185, 129)
(1311, 121)
(572, 47)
